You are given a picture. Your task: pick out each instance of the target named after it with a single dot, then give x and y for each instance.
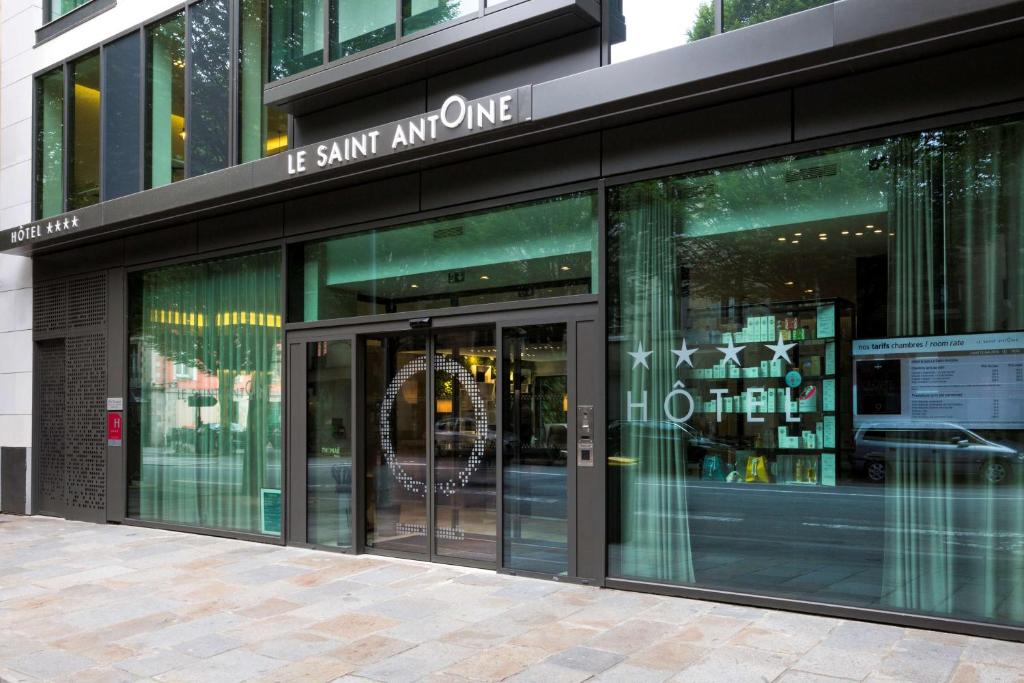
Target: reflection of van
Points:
(880, 445)
(649, 434)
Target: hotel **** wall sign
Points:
(456, 118)
(50, 227)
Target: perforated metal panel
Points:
(50, 409)
(72, 369)
(49, 306)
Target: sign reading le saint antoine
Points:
(457, 118)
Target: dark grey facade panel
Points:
(871, 19)
(960, 80)
(13, 474)
(167, 243)
(570, 55)
(351, 205)
(725, 129)
(243, 227)
(392, 105)
(117, 387)
(81, 259)
(521, 170)
(688, 68)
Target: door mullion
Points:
(429, 455)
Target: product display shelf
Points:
(798, 447)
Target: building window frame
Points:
(53, 26)
(66, 67)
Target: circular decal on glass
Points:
(793, 379)
(387, 406)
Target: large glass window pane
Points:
(525, 251)
(165, 101)
(396, 413)
(740, 13)
(465, 507)
(418, 15)
(816, 376)
(206, 124)
(640, 27)
(58, 8)
(535, 405)
(122, 120)
(296, 36)
(358, 25)
(329, 439)
(205, 394)
(50, 143)
(262, 130)
(84, 160)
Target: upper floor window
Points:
(298, 40)
(55, 9)
(641, 27)
(167, 110)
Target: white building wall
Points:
(20, 58)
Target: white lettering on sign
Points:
(53, 226)
(457, 117)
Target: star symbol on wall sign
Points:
(780, 349)
(66, 223)
(640, 356)
(74, 221)
(731, 352)
(684, 354)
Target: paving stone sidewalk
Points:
(82, 602)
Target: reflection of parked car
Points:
(208, 438)
(880, 445)
(458, 434)
(697, 445)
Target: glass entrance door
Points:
(430, 425)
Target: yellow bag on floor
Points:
(757, 470)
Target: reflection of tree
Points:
(207, 128)
(738, 13)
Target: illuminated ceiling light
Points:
(878, 232)
(795, 242)
(782, 239)
(823, 238)
(566, 268)
(789, 283)
(798, 234)
(846, 232)
(859, 234)
(485, 277)
(414, 286)
(808, 291)
(822, 234)
(869, 227)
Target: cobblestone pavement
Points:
(83, 602)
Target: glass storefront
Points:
(204, 408)
(525, 251)
(816, 376)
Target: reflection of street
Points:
(831, 544)
(227, 471)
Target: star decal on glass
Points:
(780, 349)
(640, 356)
(731, 352)
(684, 354)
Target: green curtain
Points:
(209, 343)
(955, 267)
(655, 531)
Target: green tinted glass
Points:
(50, 144)
(58, 8)
(418, 15)
(262, 130)
(296, 36)
(84, 171)
(165, 101)
(740, 13)
(358, 25)
(205, 394)
(525, 251)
